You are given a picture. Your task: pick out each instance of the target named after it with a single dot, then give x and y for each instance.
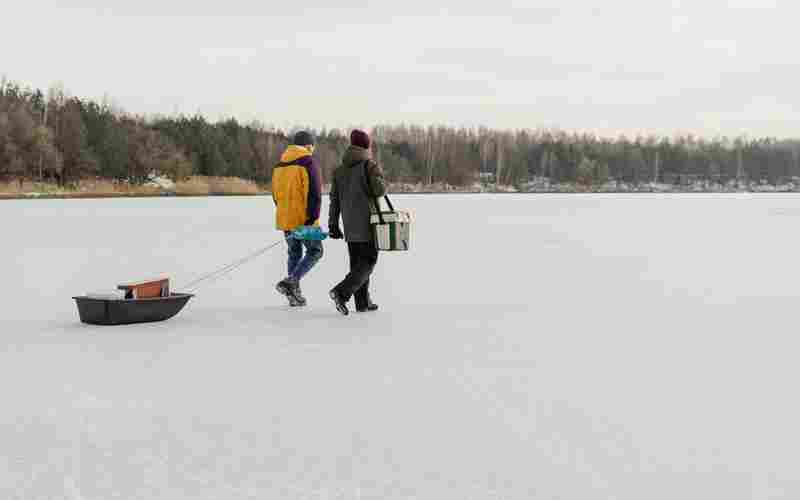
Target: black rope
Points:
(229, 268)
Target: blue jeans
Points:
(300, 265)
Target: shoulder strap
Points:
(372, 195)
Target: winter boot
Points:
(297, 299)
(291, 289)
(369, 308)
(339, 302)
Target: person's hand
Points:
(335, 233)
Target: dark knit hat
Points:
(359, 138)
(303, 138)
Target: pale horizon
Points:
(720, 69)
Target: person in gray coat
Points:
(356, 184)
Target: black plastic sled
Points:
(128, 311)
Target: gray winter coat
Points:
(349, 196)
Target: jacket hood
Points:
(355, 154)
(294, 153)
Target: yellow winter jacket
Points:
(296, 189)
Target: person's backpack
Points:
(391, 229)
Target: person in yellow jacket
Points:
(297, 192)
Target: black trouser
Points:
(363, 257)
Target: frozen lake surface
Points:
(574, 347)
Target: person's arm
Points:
(314, 193)
(334, 209)
(272, 185)
(377, 183)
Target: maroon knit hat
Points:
(359, 138)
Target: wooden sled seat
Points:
(147, 289)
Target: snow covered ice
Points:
(553, 346)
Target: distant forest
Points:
(58, 138)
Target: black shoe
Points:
(291, 289)
(284, 287)
(341, 305)
(370, 307)
(296, 299)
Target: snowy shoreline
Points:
(398, 192)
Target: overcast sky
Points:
(708, 67)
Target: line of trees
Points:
(54, 137)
